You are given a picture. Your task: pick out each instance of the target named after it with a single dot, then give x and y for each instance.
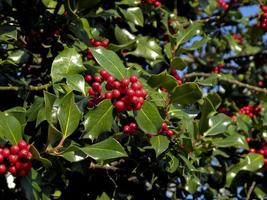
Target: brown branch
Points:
(29, 87)
(104, 167)
(221, 78)
(250, 190)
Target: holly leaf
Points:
(160, 144)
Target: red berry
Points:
(105, 43)
(29, 155)
(104, 74)
(96, 87)
(138, 106)
(133, 126)
(1, 150)
(108, 95)
(2, 169)
(110, 79)
(116, 84)
(265, 161)
(12, 159)
(91, 92)
(157, 4)
(164, 126)
(126, 129)
(116, 93)
(135, 100)
(23, 153)
(249, 139)
(133, 79)
(97, 43)
(22, 144)
(119, 105)
(141, 100)
(136, 86)
(125, 82)
(14, 149)
(6, 152)
(252, 150)
(144, 92)
(88, 78)
(18, 165)
(130, 92)
(91, 104)
(169, 133)
(12, 170)
(98, 79)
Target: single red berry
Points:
(126, 129)
(12, 170)
(144, 92)
(97, 43)
(135, 100)
(2, 169)
(29, 155)
(164, 126)
(141, 100)
(130, 92)
(136, 86)
(138, 106)
(133, 125)
(1, 150)
(91, 103)
(104, 74)
(6, 152)
(133, 79)
(120, 105)
(116, 93)
(157, 4)
(110, 79)
(96, 87)
(22, 144)
(265, 161)
(169, 133)
(18, 165)
(23, 154)
(105, 43)
(91, 92)
(14, 149)
(125, 82)
(252, 150)
(108, 95)
(98, 79)
(12, 159)
(88, 78)
(249, 139)
(116, 85)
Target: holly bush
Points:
(132, 99)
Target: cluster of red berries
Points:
(250, 110)
(176, 76)
(165, 130)
(16, 159)
(218, 68)
(223, 4)
(262, 150)
(130, 129)
(238, 38)
(154, 2)
(96, 43)
(263, 18)
(127, 94)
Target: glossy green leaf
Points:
(251, 162)
(8, 32)
(76, 82)
(35, 107)
(234, 140)
(105, 150)
(50, 111)
(148, 118)
(148, 49)
(178, 63)
(163, 79)
(69, 115)
(160, 144)
(103, 196)
(122, 35)
(98, 120)
(19, 113)
(186, 34)
(10, 128)
(68, 62)
(110, 61)
(218, 124)
(173, 163)
(134, 15)
(187, 93)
